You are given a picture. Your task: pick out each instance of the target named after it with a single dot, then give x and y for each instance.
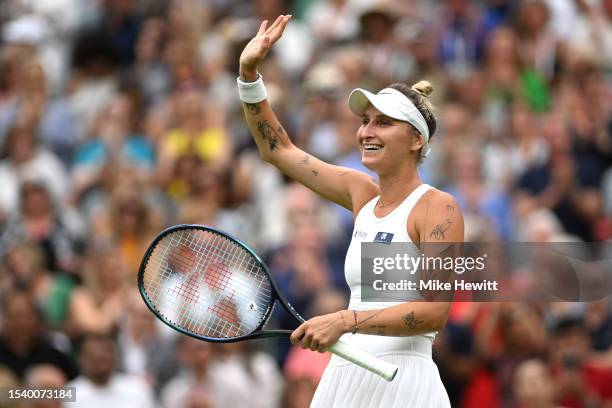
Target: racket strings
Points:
(207, 284)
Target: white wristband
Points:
(252, 92)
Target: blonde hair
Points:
(419, 96)
(424, 88)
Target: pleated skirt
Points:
(417, 384)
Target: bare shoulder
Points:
(436, 216)
(439, 198)
(363, 191)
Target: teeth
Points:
(372, 147)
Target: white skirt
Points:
(416, 384)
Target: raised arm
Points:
(438, 219)
(346, 187)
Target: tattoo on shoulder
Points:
(440, 229)
(268, 133)
(411, 321)
(305, 160)
(253, 108)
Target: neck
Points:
(397, 185)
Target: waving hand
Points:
(257, 49)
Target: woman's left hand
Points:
(322, 332)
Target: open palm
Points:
(257, 49)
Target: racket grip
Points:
(365, 360)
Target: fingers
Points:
(276, 23)
(262, 27)
(297, 334)
(276, 30)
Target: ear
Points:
(417, 142)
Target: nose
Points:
(366, 132)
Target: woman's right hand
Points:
(257, 49)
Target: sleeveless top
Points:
(369, 227)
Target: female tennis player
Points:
(396, 126)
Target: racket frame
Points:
(276, 295)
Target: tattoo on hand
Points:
(411, 321)
(438, 232)
(253, 108)
(305, 160)
(268, 133)
(343, 321)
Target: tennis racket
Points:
(209, 285)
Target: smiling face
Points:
(386, 143)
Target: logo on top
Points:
(383, 238)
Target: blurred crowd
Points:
(121, 117)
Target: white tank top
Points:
(368, 227)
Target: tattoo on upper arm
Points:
(411, 321)
(268, 133)
(253, 108)
(440, 229)
(305, 160)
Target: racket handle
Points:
(365, 360)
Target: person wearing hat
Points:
(397, 124)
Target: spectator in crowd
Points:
(114, 143)
(46, 377)
(24, 267)
(129, 222)
(140, 339)
(100, 385)
(195, 385)
(580, 379)
(533, 385)
(57, 231)
(97, 305)
(196, 136)
(24, 158)
(23, 342)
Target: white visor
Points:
(394, 104)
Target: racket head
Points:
(206, 284)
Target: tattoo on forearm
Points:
(305, 160)
(315, 172)
(438, 232)
(268, 133)
(253, 108)
(379, 329)
(411, 321)
(371, 316)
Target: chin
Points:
(370, 163)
